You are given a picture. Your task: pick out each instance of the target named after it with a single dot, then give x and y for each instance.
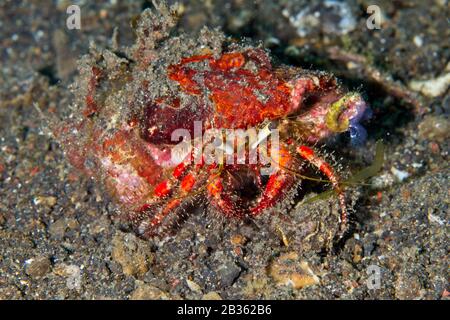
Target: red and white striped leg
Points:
(309, 155)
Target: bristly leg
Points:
(277, 185)
(309, 155)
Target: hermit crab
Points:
(131, 104)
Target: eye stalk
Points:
(345, 115)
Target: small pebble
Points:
(238, 239)
(132, 254)
(418, 41)
(37, 267)
(399, 174)
(288, 270)
(145, 291)
(46, 201)
(228, 273)
(58, 228)
(432, 87)
(193, 286)
(211, 296)
(434, 128)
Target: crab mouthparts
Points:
(346, 114)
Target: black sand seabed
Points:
(60, 236)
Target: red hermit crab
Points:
(128, 108)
